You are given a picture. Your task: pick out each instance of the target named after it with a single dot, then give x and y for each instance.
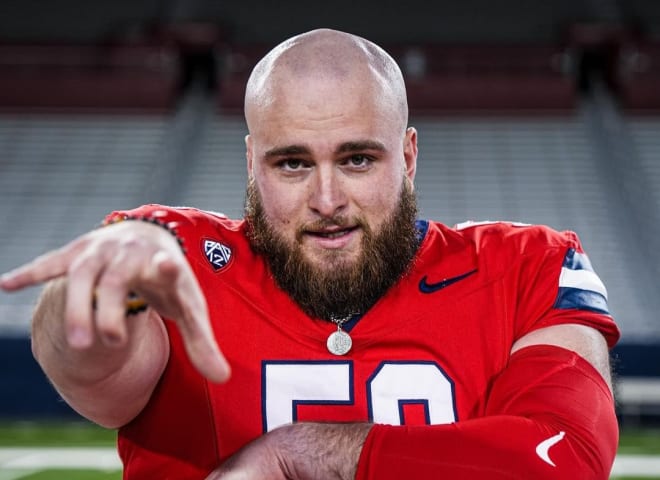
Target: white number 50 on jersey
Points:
(287, 384)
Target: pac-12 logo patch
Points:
(218, 254)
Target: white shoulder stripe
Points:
(583, 280)
(472, 223)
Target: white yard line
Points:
(72, 458)
(637, 465)
(18, 462)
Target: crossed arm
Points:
(548, 395)
(88, 354)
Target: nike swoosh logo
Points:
(543, 447)
(425, 287)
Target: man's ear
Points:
(410, 154)
(248, 154)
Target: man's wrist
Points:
(170, 227)
(321, 450)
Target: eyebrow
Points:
(360, 145)
(288, 150)
(346, 147)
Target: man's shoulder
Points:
(516, 236)
(495, 246)
(155, 208)
(168, 213)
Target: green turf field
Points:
(640, 441)
(82, 434)
(30, 434)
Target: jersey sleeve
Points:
(556, 284)
(550, 416)
(186, 224)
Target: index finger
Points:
(43, 268)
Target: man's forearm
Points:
(318, 450)
(302, 451)
(550, 416)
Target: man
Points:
(362, 344)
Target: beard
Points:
(342, 288)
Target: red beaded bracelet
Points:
(169, 226)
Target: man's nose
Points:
(327, 196)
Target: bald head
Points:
(325, 64)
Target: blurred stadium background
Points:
(541, 112)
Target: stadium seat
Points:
(124, 77)
(639, 77)
(500, 78)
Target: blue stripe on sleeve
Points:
(568, 298)
(593, 299)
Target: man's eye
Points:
(358, 161)
(291, 164)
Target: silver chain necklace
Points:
(340, 342)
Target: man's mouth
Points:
(331, 233)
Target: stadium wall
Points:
(27, 394)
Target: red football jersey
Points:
(424, 353)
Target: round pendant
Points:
(339, 343)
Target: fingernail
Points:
(6, 280)
(79, 337)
